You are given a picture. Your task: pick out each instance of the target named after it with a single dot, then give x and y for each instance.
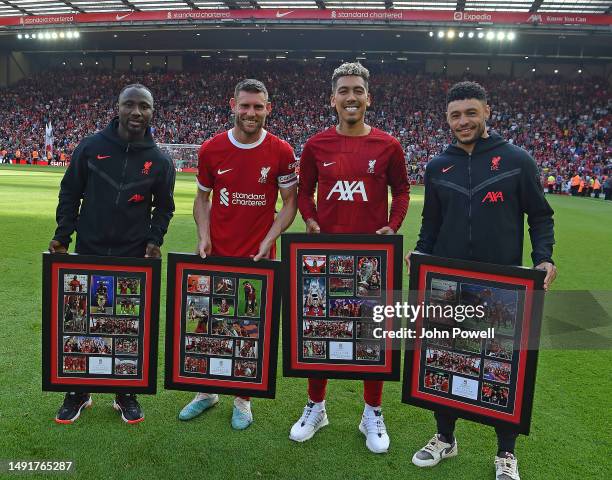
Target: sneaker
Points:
(241, 416)
(129, 408)
(506, 467)
(434, 451)
(201, 403)
(311, 420)
(72, 406)
(373, 427)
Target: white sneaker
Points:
(311, 420)
(506, 468)
(373, 427)
(434, 451)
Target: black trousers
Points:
(506, 437)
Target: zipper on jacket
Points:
(470, 204)
(125, 162)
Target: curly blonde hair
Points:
(354, 68)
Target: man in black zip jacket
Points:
(476, 195)
(117, 194)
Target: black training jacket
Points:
(126, 191)
(474, 205)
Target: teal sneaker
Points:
(241, 417)
(201, 403)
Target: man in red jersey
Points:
(353, 165)
(246, 167)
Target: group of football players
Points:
(350, 167)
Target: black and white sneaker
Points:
(506, 467)
(434, 451)
(129, 408)
(72, 406)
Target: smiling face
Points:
(250, 112)
(135, 113)
(350, 99)
(467, 119)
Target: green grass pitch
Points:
(570, 436)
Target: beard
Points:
(480, 129)
(242, 125)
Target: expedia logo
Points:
(224, 197)
(471, 17)
(348, 190)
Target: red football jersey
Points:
(245, 179)
(353, 174)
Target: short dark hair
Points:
(465, 91)
(252, 86)
(138, 86)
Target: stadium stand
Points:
(564, 123)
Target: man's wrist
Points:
(544, 260)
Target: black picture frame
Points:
(296, 247)
(502, 373)
(261, 381)
(132, 324)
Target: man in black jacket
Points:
(476, 195)
(117, 194)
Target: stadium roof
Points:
(49, 7)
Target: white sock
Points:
(318, 405)
(204, 396)
(242, 404)
(369, 410)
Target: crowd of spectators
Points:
(564, 123)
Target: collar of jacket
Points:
(482, 145)
(111, 133)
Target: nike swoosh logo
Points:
(444, 170)
(221, 172)
(328, 164)
(281, 15)
(102, 157)
(121, 17)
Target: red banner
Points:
(161, 16)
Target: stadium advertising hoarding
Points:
(100, 323)
(333, 283)
(222, 321)
(479, 363)
(297, 15)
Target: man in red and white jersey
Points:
(351, 166)
(246, 167)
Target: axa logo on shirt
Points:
(242, 199)
(493, 197)
(347, 191)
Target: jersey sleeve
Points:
(400, 188)
(307, 184)
(205, 177)
(286, 171)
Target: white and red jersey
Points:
(245, 179)
(351, 176)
